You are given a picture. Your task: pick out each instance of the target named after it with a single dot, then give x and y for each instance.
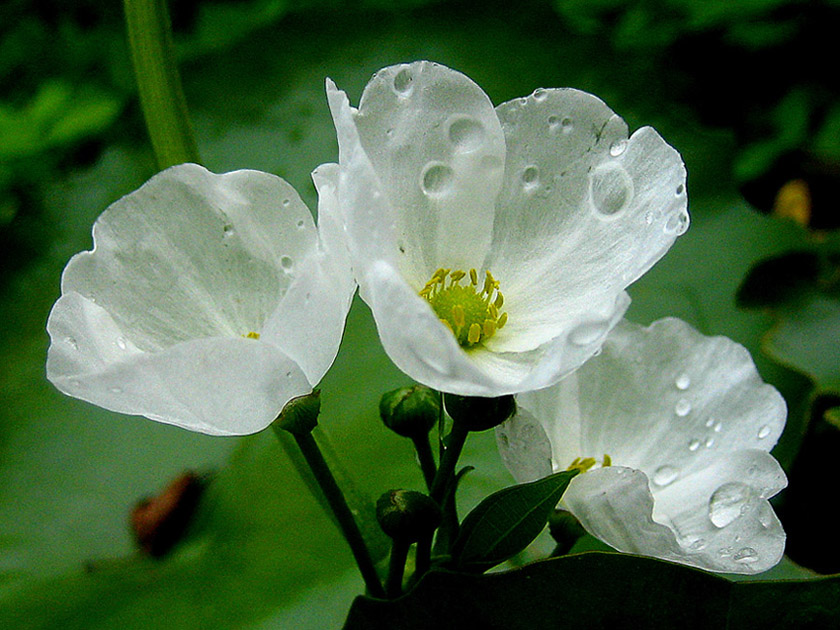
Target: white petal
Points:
(436, 146)
(309, 322)
(419, 345)
(524, 447)
(668, 396)
(192, 254)
(615, 505)
(583, 212)
(219, 386)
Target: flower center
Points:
(585, 463)
(471, 314)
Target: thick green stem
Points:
(335, 498)
(158, 81)
(446, 471)
(396, 567)
(427, 460)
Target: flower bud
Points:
(300, 415)
(407, 515)
(477, 413)
(410, 411)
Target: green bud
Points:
(300, 415)
(407, 515)
(410, 411)
(477, 413)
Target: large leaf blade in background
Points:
(261, 553)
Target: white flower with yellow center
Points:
(207, 302)
(493, 245)
(673, 431)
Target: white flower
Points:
(684, 425)
(543, 199)
(207, 302)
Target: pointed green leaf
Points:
(507, 521)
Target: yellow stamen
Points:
(458, 315)
(473, 277)
(474, 334)
(252, 335)
(489, 328)
(502, 320)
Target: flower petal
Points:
(218, 386)
(668, 396)
(583, 212)
(309, 322)
(524, 447)
(437, 149)
(192, 254)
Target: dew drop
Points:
(611, 189)
(718, 427)
(228, 230)
(710, 423)
(466, 134)
(698, 545)
(540, 94)
(389, 132)
(403, 82)
(437, 179)
(567, 125)
(116, 390)
(682, 408)
(289, 374)
(121, 343)
(618, 147)
(677, 223)
(683, 381)
(763, 432)
(287, 263)
(665, 475)
(286, 202)
(710, 442)
(300, 224)
(587, 333)
(680, 190)
(70, 341)
(531, 176)
(728, 503)
(693, 445)
(747, 555)
(553, 122)
(649, 217)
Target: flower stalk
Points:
(159, 83)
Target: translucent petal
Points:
(309, 322)
(667, 395)
(437, 149)
(219, 386)
(192, 254)
(583, 212)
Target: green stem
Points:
(338, 505)
(422, 556)
(396, 567)
(457, 438)
(427, 460)
(161, 94)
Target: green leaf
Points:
(602, 590)
(507, 521)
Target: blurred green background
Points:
(738, 87)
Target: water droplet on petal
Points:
(531, 176)
(437, 179)
(677, 223)
(121, 343)
(763, 432)
(287, 264)
(665, 475)
(710, 442)
(567, 125)
(618, 147)
(649, 217)
(682, 408)
(728, 503)
(588, 333)
(718, 427)
(611, 189)
(747, 555)
(693, 445)
(286, 202)
(680, 190)
(228, 230)
(698, 545)
(403, 82)
(301, 224)
(683, 381)
(466, 134)
(540, 94)
(116, 390)
(709, 423)
(70, 341)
